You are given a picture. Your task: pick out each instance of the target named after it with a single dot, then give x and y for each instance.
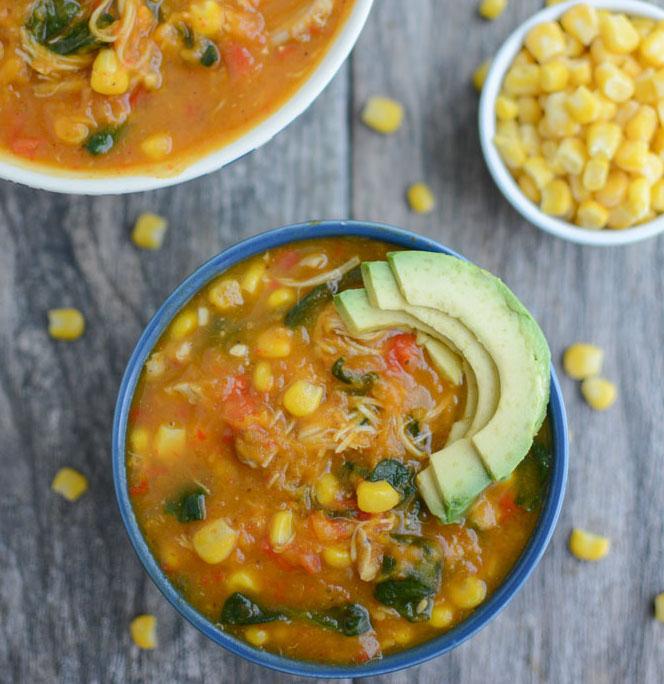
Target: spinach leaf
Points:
(210, 55)
(532, 475)
(241, 610)
(103, 141)
(413, 427)
(350, 620)
(189, 507)
(400, 476)
(361, 383)
(410, 597)
(77, 39)
(51, 17)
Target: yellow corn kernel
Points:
(171, 555)
(549, 149)
(613, 82)
(506, 108)
(382, 114)
(206, 18)
(651, 49)
(139, 440)
(327, 489)
(646, 87)
(442, 616)
(226, 294)
(149, 231)
(491, 9)
(599, 393)
(618, 33)
(468, 592)
(420, 198)
(69, 483)
(545, 41)
(621, 217)
(571, 155)
(659, 607)
(591, 214)
(660, 111)
(214, 542)
(65, 324)
(507, 129)
(262, 377)
(600, 53)
(479, 75)
(184, 324)
(511, 151)
(582, 22)
(556, 198)
(632, 156)
(603, 138)
(657, 196)
(551, 3)
(523, 79)
(274, 343)
(523, 57)
(554, 76)
(256, 636)
(581, 360)
(337, 557)
(170, 441)
(70, 130)
(658, 141)
(631, 67)
(529, 189)
(243, 580)
(607, 109)
(615, 189)
(143, 630)
(252, 276)
(302, 398)
(539, 170)
(281, 297)
(588, 546)
(530, 140)
(376, 497)
(583, 105)
(157, 146)
(596, 173)
(558, 117)
(638, 197)
(657, 83)
(530, 111)
(573, 47)
(643, 25)
(281, 529)
(109, 76)
(580, 71)
(579, 191)
(642, 125)
(654, 168)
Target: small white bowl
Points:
(114, 183)
(487, 124)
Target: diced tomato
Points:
(328, 529)
(310, 562)
(200, 435)
(508, 505)
(25, 147)
(287, 259)
(401, 350)
(237, 398)
(136, 94)
(141, 488)
(239, 61)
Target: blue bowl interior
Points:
(413, 656)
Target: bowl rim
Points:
(80, 182)
(487, 126)
(404, 659)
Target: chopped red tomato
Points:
(287, 260)
(200, 435)
(239, 61)
(237, 398)
(136, 94)
(401, 350)
(329, 529)
(141, 488)
(25, 147)
(508, 505)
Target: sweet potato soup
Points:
(114, 84)
(272, 457)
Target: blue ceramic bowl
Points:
(413, 656)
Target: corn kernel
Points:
(256, 636)
(556, 198)
(243, 580)
(554, 76)
(660, 111)
(382, 114)
(573, 47)
(523, 79)
(183, 325)
(139, 440)
(65, 324)
(571, 155)
(530, 140)
(157, 146)
(545, 41)
(618, 33)
(206, 18)
(252, 276)
(281, 297)
(642, 125)
(638, 197)
(109, 76)
(657, 196)
(507, 129)
(658, 141)
(599, 393)
(327, 489)
(69, 483)
(281, 529)
(582, 360)
(530, 111)
(614, 83)
(511, 151)
(591, 214)
(262, 377)
(376, 497)
(651, 49)
(468, 592)
(274, 343)
(579, 191)
(225, 294)
(580, 71)
(654, 168)
(596, 173)
(539, 170)
(603, 138)
(442, 616)
(529, 189)
(479, 75)
(615, 189)
(581, 21)
(143, 630)
(558, 116)
(620, 217)
(631, 67)
(607, 109)
(583, 105)
(588, 546)
(149, 231)
(632, 156)
(302, 398)
(506, 108)
(337, 557)
(643, 25)
(646, 87)
(70, 130)
(659, 607)
(420, 198)
(214, 542)
(491, 9)
(170, 441)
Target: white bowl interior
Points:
(56, 180)
(487, 127)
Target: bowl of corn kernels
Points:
(572, 120)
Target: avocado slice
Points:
(446, 362)
(506, 330)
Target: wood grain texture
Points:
(70, 582)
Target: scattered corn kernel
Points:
(596, 173)
(582, 22)
(545, 41)
(588, 546)
(327, 489)
(170, 441)
(632, 156)
(523, 79)
(583, 105)
(256, 636)
(591, 214)
(65, 324)
(603, 138)
(614, 83)
(262, 377)
(69, 483)
(506, 108)
(252, 277)
(149, 231)
(618, 33)
(226, 294)
(468, 592)
(376, 497)
(184, 324)
(383, 114)
(274, 343)
(582, 360)
(554, 75)
(70, 130)
(281, 298)
(337, 557)
(139, 440)
(659, 607)
(599, 393)
(420, 198)
(109, 76)
(207, 18)
(243, 580)
(302, 398)
(157, 146)
(441, 616)
(571, 156)
(492, 9)
(281, 529)
(143, 630)
(556, 198)
(214, 541)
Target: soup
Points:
(272, 462)
(117, 84)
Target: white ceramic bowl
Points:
(110, 183)
(487, 125)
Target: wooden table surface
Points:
(69, 581)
